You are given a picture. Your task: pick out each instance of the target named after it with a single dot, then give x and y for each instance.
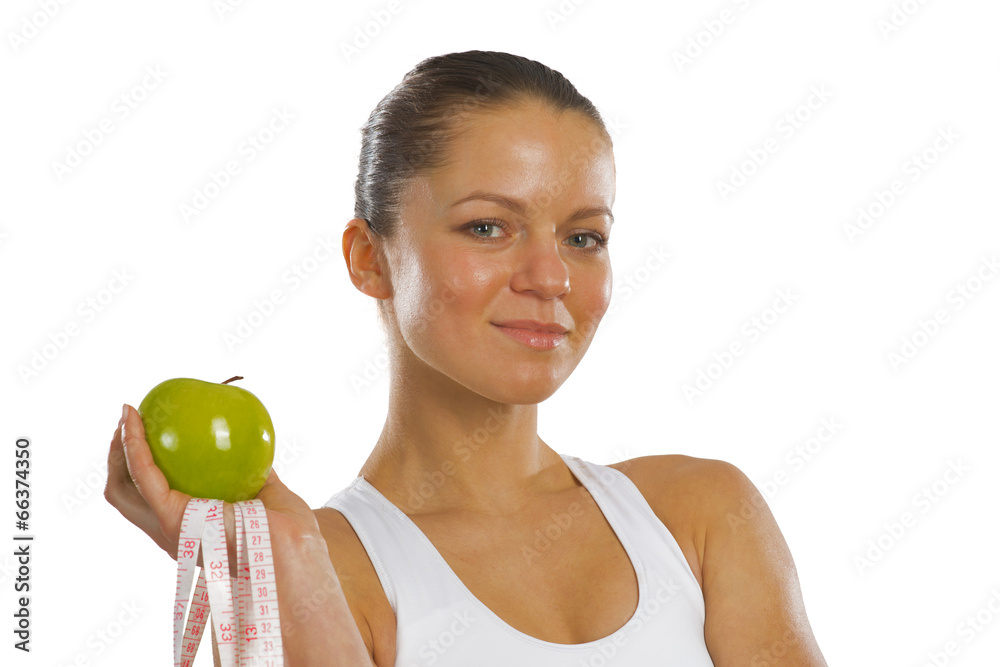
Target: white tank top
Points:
(440, 622)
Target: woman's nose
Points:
(541, 269)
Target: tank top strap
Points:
(640, 531)
(397, 548)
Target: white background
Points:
(683, 129)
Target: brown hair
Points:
(408, 132)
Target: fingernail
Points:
(124, 412)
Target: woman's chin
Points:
(519, 391)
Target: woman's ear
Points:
(364, 259)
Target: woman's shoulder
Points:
(711, 506)
(675, 477)
(692, 497)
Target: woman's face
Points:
(498, 266)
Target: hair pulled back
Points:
(408, 132)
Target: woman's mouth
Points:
(537, 335)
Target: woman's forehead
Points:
(526, 155)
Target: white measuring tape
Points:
(244, 609)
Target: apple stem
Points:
(235, 377)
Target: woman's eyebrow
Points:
(519, 207)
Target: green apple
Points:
(211, 440)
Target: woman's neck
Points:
(445, 447)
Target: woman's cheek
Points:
(595, 298)
(472, 278)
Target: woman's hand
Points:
(327, 636)
(138, 489)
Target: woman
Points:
(483, 212)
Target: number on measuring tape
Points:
(244, 608)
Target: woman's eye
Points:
(485, 229)
(582, 241)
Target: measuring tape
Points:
(244, 609)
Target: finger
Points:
(120, 491)
(168, 505)
(148, 478)
(117, 469)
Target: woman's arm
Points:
(754, 613)
(326, 636)
(322, 632)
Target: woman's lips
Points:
(537, 335)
